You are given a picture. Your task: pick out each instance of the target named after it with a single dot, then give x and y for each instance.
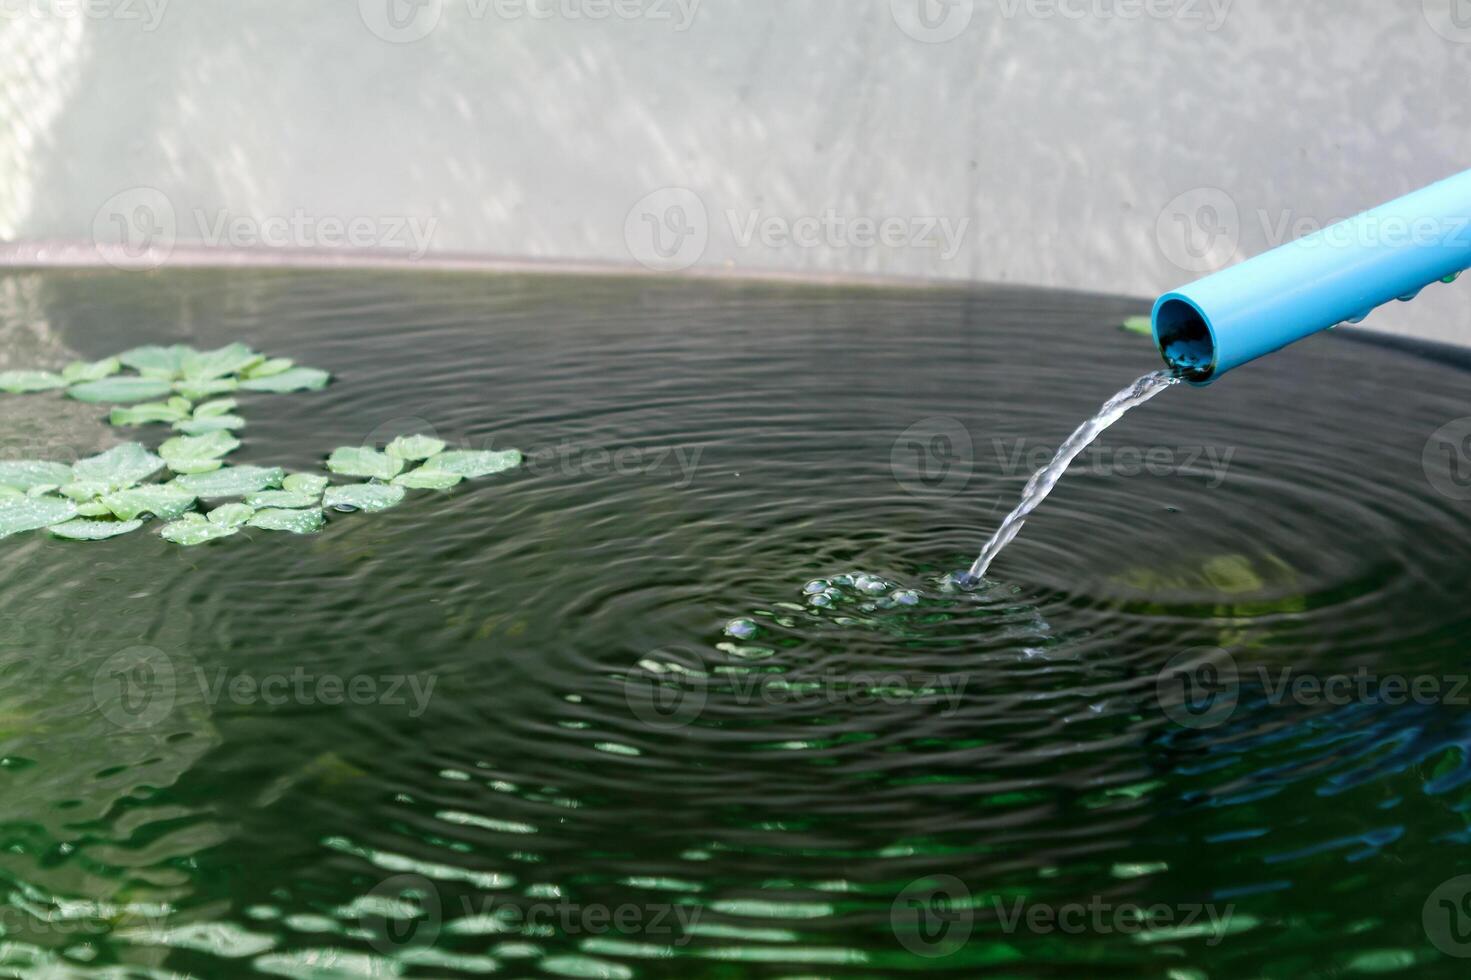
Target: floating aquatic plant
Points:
(114, 492)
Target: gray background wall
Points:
(1116, 145)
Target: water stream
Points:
(1046, 478)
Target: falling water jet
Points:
(1046, 478)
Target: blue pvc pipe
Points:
(1338, 274)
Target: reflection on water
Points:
(692, 694)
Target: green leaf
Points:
(21, 382)
(218, 407)
(84, 489)
(121, 466)
(26, 473)
(472, 463)
(159, 499)
(193, 528)
(196, 466)
(6, 492)
(90, 371)
(361, 461)
(202, 389)
(308, 483)
(119, 390)
(189, 451)
(415, 447)
(427, 479)
(159, 362)
(294, 379)
(29, 513)
(230, 481)
(93, 508)
(267, 369)
(230, 359)
(231, 515)
(367, 497)
(295, 521)
(80, 530)
(147, 413)
(1139, 324)
(283, 500)
(212, 423)
(41, 489)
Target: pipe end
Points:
(1183, 334)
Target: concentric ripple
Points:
(696, 692)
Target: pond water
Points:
(687, 696)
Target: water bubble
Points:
(814, 587)
(344, 508)
(906, 597)
(821, 599)
(741, 629)
(1451, 278)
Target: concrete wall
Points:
(1118, 145)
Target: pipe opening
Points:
(1185, 340)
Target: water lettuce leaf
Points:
(24, 382)
(368, 497)
(283, 500)
(210, 364)
(198, 390)
(415, 447)
(472, 462)
(267, 369)
(293, 379)
(362, 461)
(22, 474)
(84, 530)
(193, 450)
(156, 361)
(30, 513)
(194, 528)
(229, 481)
(427, 479)
(295, 521)
(220, 406)
(159, 499)
(120, 390)
(150, 412)
(90, 370)
(121, 466)
(305, 483)
(211, 423)
(231, 515)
